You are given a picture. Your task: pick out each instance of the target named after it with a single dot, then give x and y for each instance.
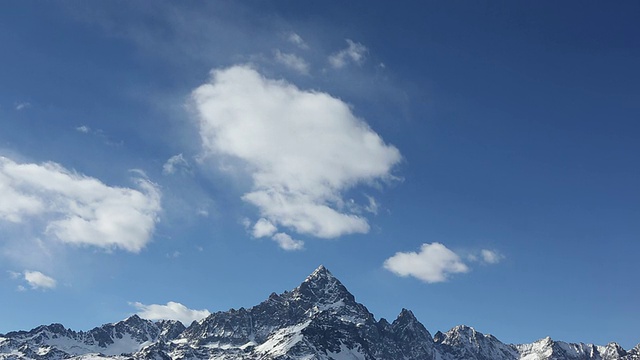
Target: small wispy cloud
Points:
(203, 212)
(98, 133)
(292, 61)
(176, 163)
(83, 129)
(174, 255)
(297, 40)
(373, 205)
(22, 106)
(355, 53)
(491, 256)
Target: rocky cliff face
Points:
(319, 319)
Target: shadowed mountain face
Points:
(319, 319)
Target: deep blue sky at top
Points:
(518, 123)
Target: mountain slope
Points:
(318, 320)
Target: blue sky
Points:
(475, 163)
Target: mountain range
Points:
(318, 320)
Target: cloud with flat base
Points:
(435, 262)
(35, 279)
(38, 280)
(171, 311)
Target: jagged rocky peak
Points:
(170, 329)
(548, 348)
(136, 324)
(322, 288)
(320, 272)
(462, 330)
(133, 320)
(545, 341)
(321, 276)
(612, 351)
(410, 332)
(57, 328)
(407, 322)
(406, 316)
(458, 334)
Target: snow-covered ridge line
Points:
(318, 320)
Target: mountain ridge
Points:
(320, 319)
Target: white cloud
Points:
(303, 149)
(170, 311)
(77, 209)
(22, 106)
(293, 62)
(355, 52)
(434, 263)
(174, 255)
(287, 243)
(490, 256)
(484, 256)
(263, 227)
(373, 205)
(174, 164)
(298, 41)
(38, 280)
(203, 212)
(83, 129)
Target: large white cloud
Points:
(303, 149)
(170, 311)
(77, 209)
(433, 263)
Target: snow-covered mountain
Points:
(55, 341)
(318, 320)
